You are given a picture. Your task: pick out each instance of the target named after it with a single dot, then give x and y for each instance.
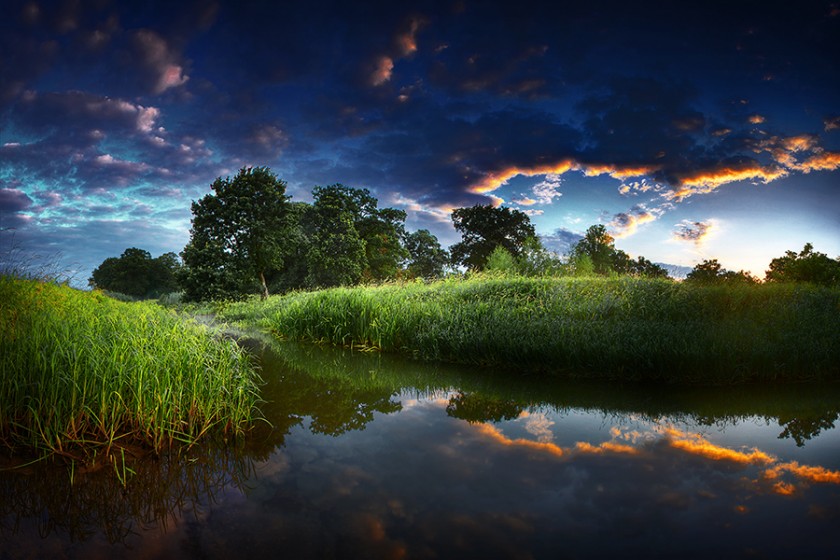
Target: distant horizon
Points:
(709, 132)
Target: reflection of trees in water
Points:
(478, 408)
(806, 425)
(161, 489)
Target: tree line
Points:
(248, 237)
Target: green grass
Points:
(81, 373)
(615, 328)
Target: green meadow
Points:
(85, 376)
(621, 328)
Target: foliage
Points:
(483, 228)
(597, 249)
(598, 245)
(80, 373)
(426, 258)
(135, 273)
(501, 261)
(619, 328)
(807, 266)
(710, 271)
(337, 253)
(238, 235)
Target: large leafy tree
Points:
(337, 252)
(806, 266)
(137, 274)
(238, 236)
(483, 228)
(427, 259)
(352, 239)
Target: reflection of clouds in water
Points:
(633, 442)
(440, 487)
(538, 424)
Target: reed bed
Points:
(81, 373)
(615, 328)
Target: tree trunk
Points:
(264, 294)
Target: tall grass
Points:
(619, 328)
(81, 373)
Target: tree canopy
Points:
(710, 271)
(427, 259)
(597, 253)
(806, 266)
(237, 235)
(485, 227)
(135, 273)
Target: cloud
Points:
(826, 161)
(548, 189)
(755, 119)
(561, 240)
(407, 40)
(831, 123)
(708, 178)
(625, 224)
(695, 232)
(158, 61)
(14, 200)
(383, 68)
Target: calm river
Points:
(369, 456)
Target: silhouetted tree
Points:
(807, 266)
(483, 228)
(710, 271)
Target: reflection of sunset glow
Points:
(631, 442)
(496, 435)
(805, 472)
(696, 445)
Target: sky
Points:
(690, 130)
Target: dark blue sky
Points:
(692, 130)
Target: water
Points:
(375, 457)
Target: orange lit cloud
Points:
(696, 445)
(756, 119)
(526, 201)
(805, 472)
(494, 180)
(497, 436)
(382, 72)
(625, 224)
(707, 180)
(407, 41)
(826, 161)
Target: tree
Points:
(352, 239)
(135, 273)
(337, 253)
(710, 271)
(483, 228)
(643, 267)
(427, 259)
(807, 266)
(536, 260)
(598, 245)
(238, 235)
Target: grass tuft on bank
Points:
(81, 373)
(612, 328)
